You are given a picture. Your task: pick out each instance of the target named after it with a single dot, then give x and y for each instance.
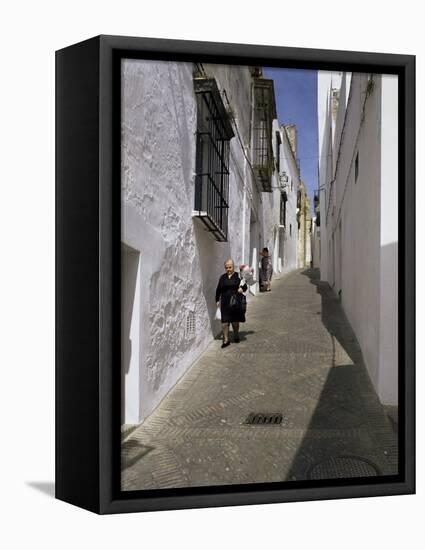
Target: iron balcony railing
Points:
(264, 114)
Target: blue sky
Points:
(296, 102)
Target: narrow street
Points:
(298, 357)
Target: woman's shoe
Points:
(236, 340)
(225, 344)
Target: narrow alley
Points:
(298, 357)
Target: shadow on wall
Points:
(349, 434)
(211, 260)
(333, 317)
(389, 260)
(388, 379)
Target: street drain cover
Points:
(341, 467)
(264, 419)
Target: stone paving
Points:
(299, 357)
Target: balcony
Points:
(264, 114)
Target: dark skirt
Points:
(233, 314)
(266, 270)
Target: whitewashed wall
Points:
(355, 216)
(324, 121)
(388, 353)
(158, 163)
(270, 212)
(171, 264)
(315, 244)
(356, 221)
(290, 234)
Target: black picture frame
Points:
(88, 274)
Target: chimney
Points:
(291, 132)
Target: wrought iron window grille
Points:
(264, 114)
(213, 135)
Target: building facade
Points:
(285, 243)
(357, 124)
(315, 233)
(205, 177)
(304, 227)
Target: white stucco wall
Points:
(281, 242)
(158, 154)
(388, 354)
(324, 79)
(174, 261)
(356, 231)
(354, 259)
(315, 244)
(270, 212)
(289, 165)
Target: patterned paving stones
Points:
(297, 356)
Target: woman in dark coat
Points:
(266, 270)
(228, 286)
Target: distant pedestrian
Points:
(229, 298)
(266, 270)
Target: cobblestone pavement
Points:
(299, 357)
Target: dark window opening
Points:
(214, 132)
(283, 199)
(278, 144)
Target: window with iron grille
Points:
(214, 132)
(264, 113)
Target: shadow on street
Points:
(348, 406)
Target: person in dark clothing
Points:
(266, 270)
(228, 286)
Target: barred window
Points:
(264, 113)
(214, 132)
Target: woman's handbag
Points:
(238, 301)
(243, 303)
(218, 314)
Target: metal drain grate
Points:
(264, 419)
(342, 467)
